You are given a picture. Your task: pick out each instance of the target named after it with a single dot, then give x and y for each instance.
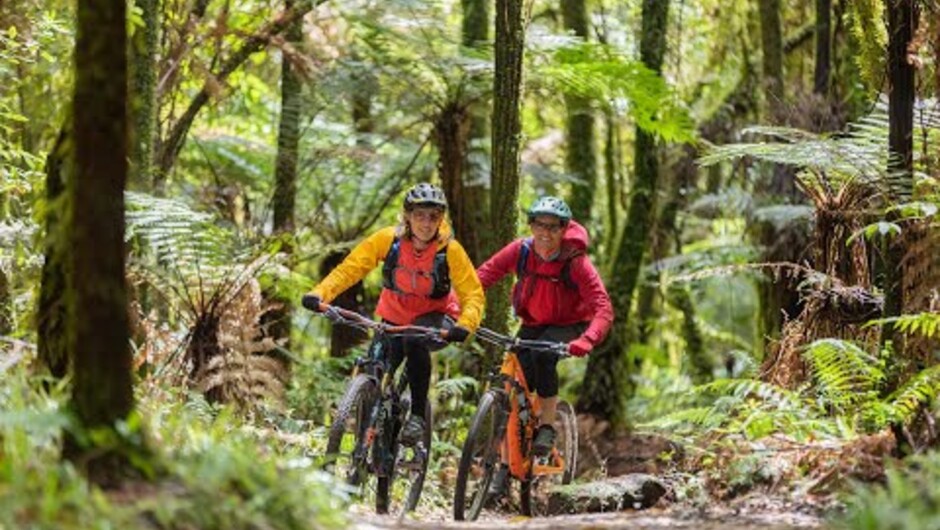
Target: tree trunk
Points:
(902, 23)
(144, 49)
(772, 47)
(475, 34)
(778, 297)
(611, 174)
(96, 290)
(51, 311)
(451, 137)
(580, 160)
(823, 47)
(507, 126)
(6, 304)
(607, 382)
(277, 321)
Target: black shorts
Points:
(539, 367)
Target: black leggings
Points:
(540, 367)
(418, 352)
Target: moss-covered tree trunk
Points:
(580, 159)
(823, 66)
(780, 244)
(612, 180)
(451, 137)
(96, 289)
(277, 321)
(607, 383)
(475, 34)
(50, 310)
(902, 23)
(144, 49)
(506, 145)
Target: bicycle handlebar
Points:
(339, 315)
(515, 344)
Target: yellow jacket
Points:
(400, 309)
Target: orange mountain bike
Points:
(364, 437)
(504, 427)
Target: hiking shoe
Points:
(412, 431)
(499, 484)
(544, 440)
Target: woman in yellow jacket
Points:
(428, 280)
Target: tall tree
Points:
(475, 35)
(580, 160)
(607, 381)
(96, 293)
(277, 321)
(507, 127)
(902, 23)
(823, 64)
(144, 49)
(50, 310)
(780, 243)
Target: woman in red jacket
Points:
(558, 295)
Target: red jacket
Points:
(539, 301)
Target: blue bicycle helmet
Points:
(550, 206)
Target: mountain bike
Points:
(503, 428)
(363, 442)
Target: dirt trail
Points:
(649, 519)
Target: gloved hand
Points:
(311, 302)
(457, 334)
(580, 347)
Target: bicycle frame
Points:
(524, 411)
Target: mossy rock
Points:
(628, 492)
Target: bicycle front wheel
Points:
(399, 491)
(347, 447)
(480, 455)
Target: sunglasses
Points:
(426, 216)
(550, 227)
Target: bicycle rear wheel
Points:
(399, 491)
(480, 455)
(347, 447)
(535, 491)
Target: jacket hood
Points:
(576, 239)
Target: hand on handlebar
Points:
(456, 334)
(313, 303)
(580, 347)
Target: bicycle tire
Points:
(481, 449)
(352, 418)
(384, 500)
(531, 503)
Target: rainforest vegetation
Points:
(760, 181)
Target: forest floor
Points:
(786, 485)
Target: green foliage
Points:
(923, 324)
(218, 471)
(907, 500)
(603, 74)
(866, 21)
(844, 398)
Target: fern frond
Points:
(456, 386)
(920, 389)
(924, 324)
(846, 375)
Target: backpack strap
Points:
(440, 271)
(521, 272)
(391, 262)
